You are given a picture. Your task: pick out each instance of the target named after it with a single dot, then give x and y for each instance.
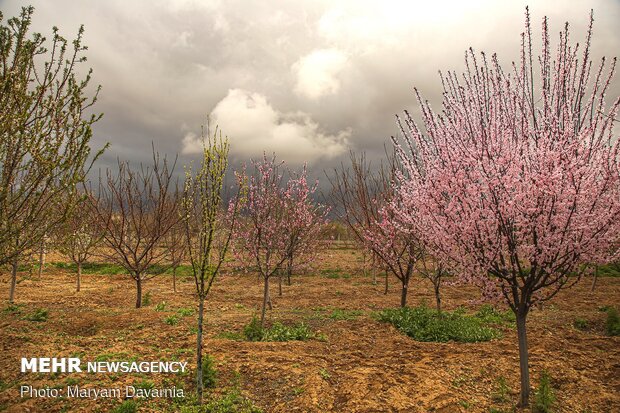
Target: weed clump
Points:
(425, 324)
(580, 324)
(544, 397)
(39, 315)
(277, 332)
(128, 406)
(146, 300)
(612, 325)
(209, 372)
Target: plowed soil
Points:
(361, 366)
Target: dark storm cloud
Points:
(306, 79)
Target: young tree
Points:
(303, 230)
(263, 237)
(134, 211)
(44, 132)
(208, 227)
(78, 236)
(517, 179)
(175, 244)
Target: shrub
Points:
(209, 372)
(544, 397)
(128, 406)
(425, 324)
(612, 325)
(40, 314)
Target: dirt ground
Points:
(362, 366)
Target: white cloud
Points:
(254, 127)
(317, 73)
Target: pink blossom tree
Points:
(306, 221)
(278, 220)
(516, 180)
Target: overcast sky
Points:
(308, 80)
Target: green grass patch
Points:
(425, 324)
(335, 274)
(489, 314)
(104, 268)
(231, 335)
(340, 314)
(99, 268)
(609, 270)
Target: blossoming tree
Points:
(278, 220)
(516, 180)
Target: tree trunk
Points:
(79, 276)
(280, 276)
(174, 279)
(523, 360)
(265, 300)
(41, 257)
(13, 280)
(437, 296)
(201, 307)
(289, 270)
(403, 294)
(386, 283)
(594, 279)
(138, 291)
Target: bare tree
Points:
(78, 236)
(361, 199)
(134, 210)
